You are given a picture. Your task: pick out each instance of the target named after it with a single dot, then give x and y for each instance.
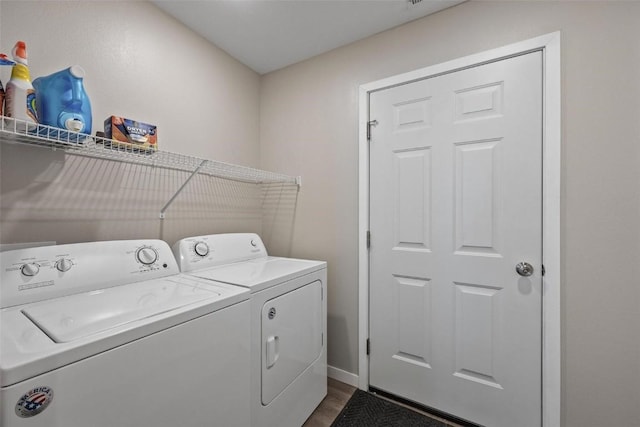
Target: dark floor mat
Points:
(366, 410)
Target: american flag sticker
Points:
(34, 401)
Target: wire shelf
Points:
(22, 132)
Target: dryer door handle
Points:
(273, 350)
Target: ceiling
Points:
(267, 35)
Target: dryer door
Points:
(291, 337)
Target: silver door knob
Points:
(524, 269)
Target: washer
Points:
(288, 321)
(110, 334)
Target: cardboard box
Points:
(131, 134)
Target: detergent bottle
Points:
(20, 98)
(4, 61)
(62, 102)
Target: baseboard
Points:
(342, 376)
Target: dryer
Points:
(110, 334)
(288, 321)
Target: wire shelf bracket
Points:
(194, 173)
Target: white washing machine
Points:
(110, 334)
(288, 321)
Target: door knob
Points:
(524, 269)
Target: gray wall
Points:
(309, 122)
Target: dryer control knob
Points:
(30, 269)
(146, 255)
(201, 249)
(64, 264)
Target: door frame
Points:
(549, 45)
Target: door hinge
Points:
(368, 239)
(368, 347)
(543, 270)
(369, 124)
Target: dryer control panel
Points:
(35, 274)
(198, 252)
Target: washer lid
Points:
(99, 321)
(77, 316)
(261, 273)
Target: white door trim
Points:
(549, 44)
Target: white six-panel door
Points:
(455, 204)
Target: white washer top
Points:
(92, 316)
(240, 259)
(81, 315)
(261, 273)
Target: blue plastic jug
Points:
(62, 102)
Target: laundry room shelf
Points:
(21, 132)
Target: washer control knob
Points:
(30, 269)
(146, 255)
(254, 243)
(64, 264)
(201, 249)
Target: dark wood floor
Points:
(338, 395)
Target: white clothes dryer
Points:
(110, 334)
(288, 321)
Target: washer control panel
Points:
(31, 269)
(35, 274)
(199, 252)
